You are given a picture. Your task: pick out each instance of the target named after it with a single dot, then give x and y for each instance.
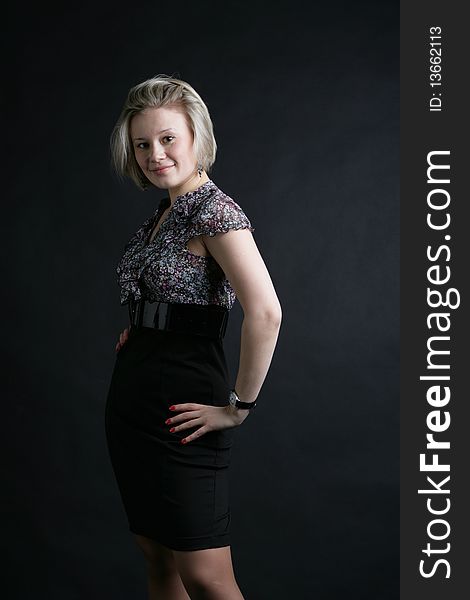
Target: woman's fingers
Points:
(210, 417)
(123, 336)
(184, 421)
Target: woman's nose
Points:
(156, 153)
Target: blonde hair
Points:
(161, 90)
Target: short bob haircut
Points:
(161, 90)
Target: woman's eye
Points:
(142, 145)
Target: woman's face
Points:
(163, 146)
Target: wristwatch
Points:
(237, 403)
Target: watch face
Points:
(232, 399)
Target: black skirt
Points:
(174, 493)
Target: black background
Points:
(305, 102)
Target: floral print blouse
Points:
(164, 269)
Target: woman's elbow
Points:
(271, 313)
(274, 313)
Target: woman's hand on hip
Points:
(122, 339)
(208, 418)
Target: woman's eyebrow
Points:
(162, 131)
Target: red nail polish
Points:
(183, 441)
(172, 408)
(172, 429)
(167, 422)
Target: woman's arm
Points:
(238, 256)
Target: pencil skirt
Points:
(174, 493)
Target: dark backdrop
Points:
(305, 103)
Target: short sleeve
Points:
(219, 215)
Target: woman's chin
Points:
(162, 183)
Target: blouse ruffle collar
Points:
(138, 253)
(185, 205)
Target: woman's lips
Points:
(163, 170)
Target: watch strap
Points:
(243, 405)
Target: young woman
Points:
(171, 411)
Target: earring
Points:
(144, 183)
(199, 169)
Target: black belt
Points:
(199, 319)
